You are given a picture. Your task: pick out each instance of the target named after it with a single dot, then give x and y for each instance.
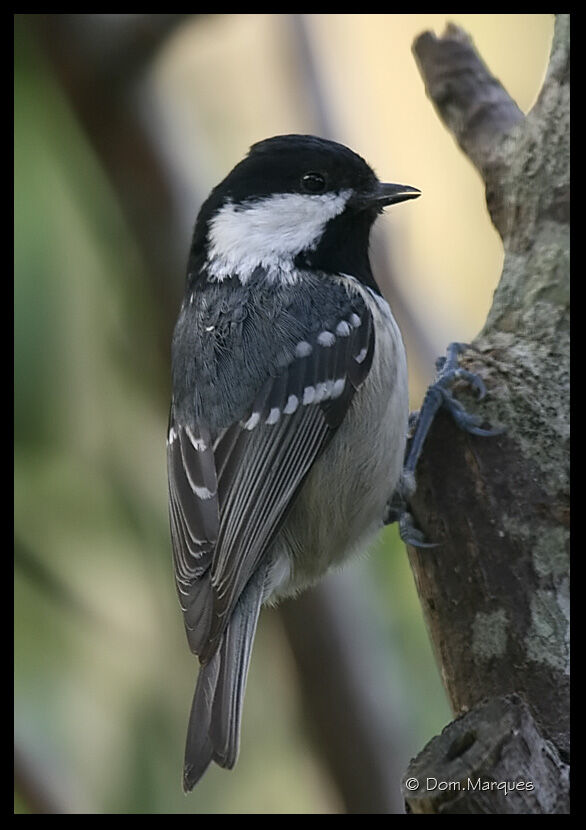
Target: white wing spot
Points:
(198, 443)
(354, 321)
(252, 421)
(323, 391)
(338, 387)
(274, 415)
(326, 338)
(203, 493)
(308, 395)
(343, 329)
(303, 349)
(359, 358)
(292, 404)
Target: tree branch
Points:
(492, 760)
(468, 98)
(496, 593)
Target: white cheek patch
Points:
(269, 233)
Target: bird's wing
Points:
(228, 498)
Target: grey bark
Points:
(492, 760)
(495, 593)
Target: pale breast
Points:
(342, 504)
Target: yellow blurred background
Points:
(103, 675)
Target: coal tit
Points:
(289, 412)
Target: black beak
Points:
(391, 194)
(387, 194)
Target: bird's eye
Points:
(313, 183)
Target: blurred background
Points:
(123, 123)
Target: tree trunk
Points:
(495, 592)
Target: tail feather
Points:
(214, 723)
(199, 751)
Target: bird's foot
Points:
(439, 395)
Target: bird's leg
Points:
(437, 396)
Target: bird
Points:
(289, 413)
